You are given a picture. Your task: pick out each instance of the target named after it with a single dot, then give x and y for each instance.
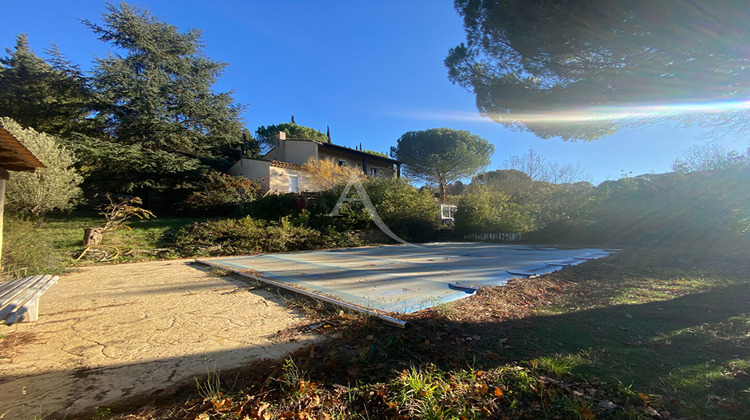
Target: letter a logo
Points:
(369, 208)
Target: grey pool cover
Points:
(403, 279)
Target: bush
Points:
(275, 207)
(709, 206)
(484, 210)
(55, 187)
(396, 200)
(410, 213)
(221, 194)
(246, 236)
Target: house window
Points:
(293, 183)
(374, 171)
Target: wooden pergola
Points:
(14, 156)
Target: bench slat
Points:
(41, 284)
(10, 289)
(23, 298)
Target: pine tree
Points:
(51, 98)
(165, 124)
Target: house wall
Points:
(385, 171)
(254, 169)
(352, 161)
(299, 151)
(276, 179)
(279, 180)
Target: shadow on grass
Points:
(692, 349)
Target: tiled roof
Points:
(286, 165)
(357, 152)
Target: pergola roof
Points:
(14, 156)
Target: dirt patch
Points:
(11, 344)
(109, 333)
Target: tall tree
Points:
(539, 65)
(52, 98)
(708, 157)
(540, 169)
(267, 135)
(164, 121)
(250, 146)
(442, 155)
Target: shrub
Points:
(246, 236)
(326, 173)
(484, 210)
(410, 213)
(274, 207)
(55, 187)
(221, 194)
(707, 206)
(396, 200)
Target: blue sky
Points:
(369, 70)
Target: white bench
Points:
(19, 299)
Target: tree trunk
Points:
(92, 236)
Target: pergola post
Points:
(4, 176)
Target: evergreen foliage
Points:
(266, 135)
(246, 236)
(442, 155)
(529, 61)
(250, 146)
(163, 122)
(485, 210)
(52, 98)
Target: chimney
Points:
(281, 146)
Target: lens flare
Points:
(602, 113)
(638, 112)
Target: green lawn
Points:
(52, 244)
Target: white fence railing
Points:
(496, 236)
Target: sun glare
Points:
(604, 113)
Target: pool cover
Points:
(403, 279)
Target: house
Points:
(280, 170)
